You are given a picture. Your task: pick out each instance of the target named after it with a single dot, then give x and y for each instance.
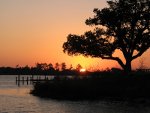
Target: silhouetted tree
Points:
(51, 68)
(78, 67)
(71, 67)
(38, 66)
(57, 66)
(124, 26)
(50, 65)
(25, 70)
(44, 66)
(63, 66)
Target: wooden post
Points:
(27, 80)
(23, 80)
(18, 77)
(32, 77)
(18, 80)
(30, 80)
(45, 77)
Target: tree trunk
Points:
(127, 67)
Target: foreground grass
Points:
(96, 87)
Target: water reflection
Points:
(15, 92)
(20, 101)
(15, 99)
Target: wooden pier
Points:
(20, 79)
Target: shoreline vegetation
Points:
(41, 69)
(96, 85)
(73, 84)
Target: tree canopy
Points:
(124, 25)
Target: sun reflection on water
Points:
(15, 92)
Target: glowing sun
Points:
(82, 70)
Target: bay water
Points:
(17, 99)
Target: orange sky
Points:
(33, 31)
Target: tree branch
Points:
(116, 59)
(137, 55)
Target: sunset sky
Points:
(34, 31)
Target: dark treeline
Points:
(41, 69)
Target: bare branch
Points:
(138, 55)
(116, 59)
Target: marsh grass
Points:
(96, 86)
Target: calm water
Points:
(14, 99)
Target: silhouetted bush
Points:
(95, 87)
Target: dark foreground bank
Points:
(96, 87)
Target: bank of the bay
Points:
(96, 86)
